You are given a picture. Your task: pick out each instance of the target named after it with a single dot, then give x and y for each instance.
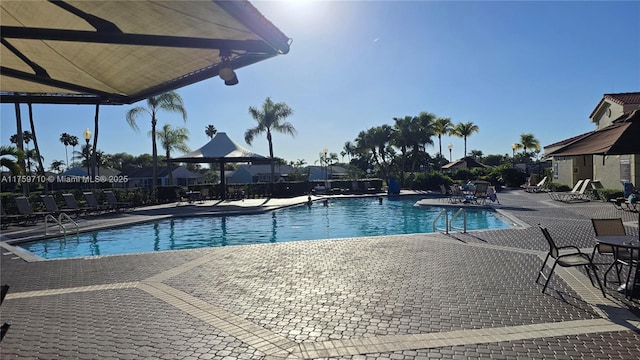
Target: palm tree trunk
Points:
(170, 181)
(154, 156)
(95, 142)
(271, 163)
(35, 142)
(20, 144)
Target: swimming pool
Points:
(341, 218)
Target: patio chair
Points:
(580, 195)
(566, 259)
(537, 187)
(621, 257)
(92, 201)
(480, 193)
(559, 196)
(25, 209)
(8, 219)
(114, 203)
(51, 206)
(71, 203)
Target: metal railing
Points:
(59, 221)
(449, 222)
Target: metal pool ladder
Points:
(449, 223)
(59, 221)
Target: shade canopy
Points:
(220, 149)
(115, 52)
(619, 138)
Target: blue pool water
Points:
(342, 218)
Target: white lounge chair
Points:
(559, 196)
(537, 187)
(582, 194)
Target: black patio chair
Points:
(566, 259)
(621, 257)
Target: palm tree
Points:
(56, 165)
(7, 155)
(349, 149)
(38, 156)
(476, 154)
(210, 130)
(465, 130)
(528, 141)
(169, 101)
(64, 139)
(270, 118)
(172, 139)
(442, 126)
(73, 141)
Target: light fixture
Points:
(225, 71)
(87, 135)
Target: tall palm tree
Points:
(172, 139)
(73, 141)
(169, 101)
(442, 126)
(7, 155)
(465, 130)
(210, 130)
(528, 141)
(401, 137)
(270, 117)
(35, 141)
(64, 139)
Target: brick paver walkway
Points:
(392, 297)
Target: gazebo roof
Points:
(220, 148)
(115, 52)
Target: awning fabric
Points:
(620, 138)
(121, 52)
(220, 149)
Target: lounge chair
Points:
(558, 196)
(584, 194)
(51, 206)
(456, 194)
(25, 209)
(71, 203)
(92, 201)
(538, 187)
(621, 257)
(114, 203)
(446, 195)
(6, 219)
(566, 259)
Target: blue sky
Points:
(509, 67)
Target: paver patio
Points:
(394, 297)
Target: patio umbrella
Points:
(619, 138)
(221, 149)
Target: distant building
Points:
(464, 163)
(143, 177)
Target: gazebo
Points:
(221, 150)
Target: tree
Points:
(73, 141)
(465, 130)
(271, 117)
(10, 159)
(476, 154)
(349, 149)
(528, 141)
(169, 101)
(442, 126)
(64, 139)
(210, 131)
(173, 139)
(56, 166)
